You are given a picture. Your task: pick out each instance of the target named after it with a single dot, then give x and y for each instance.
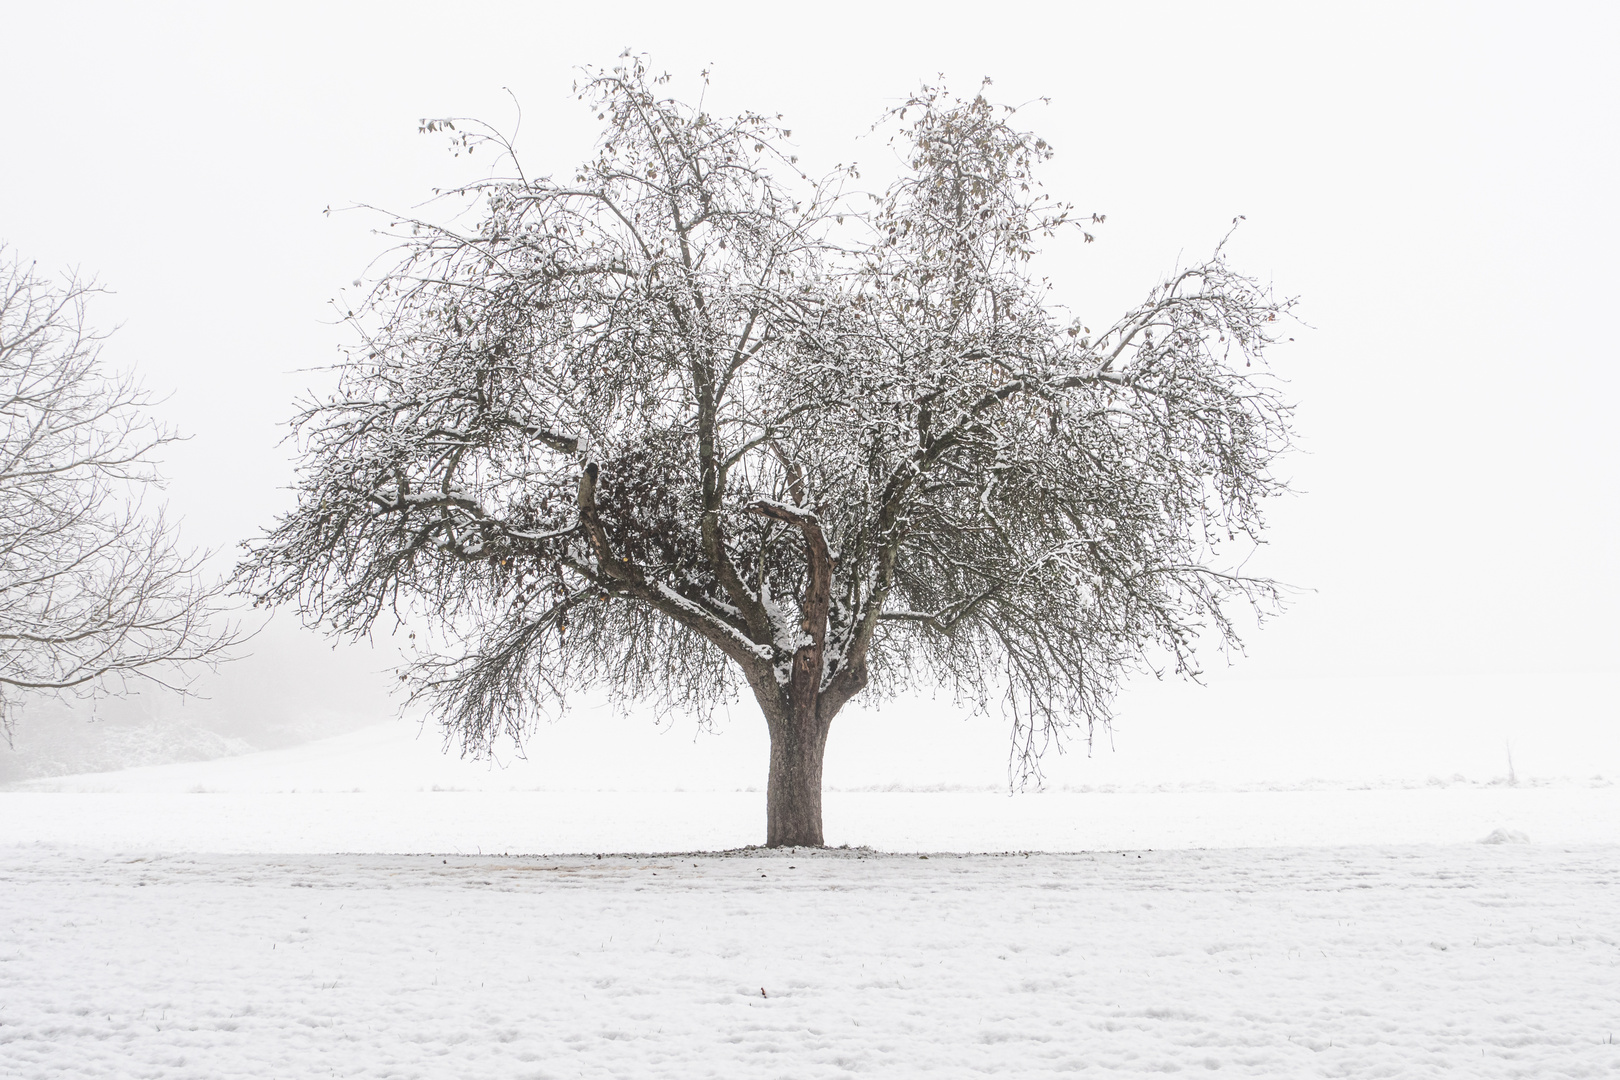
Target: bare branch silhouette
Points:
(94, 589)
(676, 425)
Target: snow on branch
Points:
(663, 384)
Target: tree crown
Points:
(689, 415)
(95, 589)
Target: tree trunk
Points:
(793, 793)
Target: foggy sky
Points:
(1436, 185)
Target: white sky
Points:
(1437, 183)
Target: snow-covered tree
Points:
(94, 587)
(686, 421)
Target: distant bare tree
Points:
(93, 587)
(686, 421)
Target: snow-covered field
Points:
(472, 822)
(1466, 960)
(279, 915)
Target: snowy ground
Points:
(470, 822)
(384, 789)
(276, 914)
(1396, 961)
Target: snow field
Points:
(1377, 961)
(404, 822)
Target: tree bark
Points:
(793, 792)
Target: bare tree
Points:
(94, 589)
(687, 420)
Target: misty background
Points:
(1436, 184)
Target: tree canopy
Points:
(688, 420)
(95, 589)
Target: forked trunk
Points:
(793, 793)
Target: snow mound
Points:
(1506, 836)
